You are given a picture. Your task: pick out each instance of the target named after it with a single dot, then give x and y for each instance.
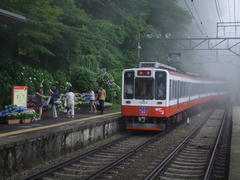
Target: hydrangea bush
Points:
(17, 112)
(107, 81)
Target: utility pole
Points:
(139, 45)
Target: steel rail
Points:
(105, 168)
(123, 157)
(165, 162)
(72, 160)
(208, 172)
(130, 153)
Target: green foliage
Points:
(83, 78)
(106, 80)
(31, 77)
(72, 39)
(62, 80)
(29, 114)
(39, 31)
(16, 74)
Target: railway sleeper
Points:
(218, 177)
(65, 176)
(107, 154)
(96, 159)
(194, 151)
(193, 155)
(74, 170)
(183, 163)
(192, 147)
(186, 167)
(167, 178)
(186, 176)
(220, 172)
(48, 178)
(185, 171)
(112, 151)
(191, 160)
(90, 166)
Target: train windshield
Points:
(128, 84)
(160, 81)
(144, 88)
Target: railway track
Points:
(93, 163)
(194, 158)
(135, 156)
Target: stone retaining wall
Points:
(27, 153)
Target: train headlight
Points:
(128, 102)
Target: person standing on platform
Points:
(101, 98)
(92, 100)
(70, 98)
(54, 97)
(39, 100)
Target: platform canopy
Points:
(7, 17)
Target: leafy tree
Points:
(72, 39)
(40, 30)
(83, 78)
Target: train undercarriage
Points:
(154, 123)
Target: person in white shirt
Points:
(92, 101)
(70, 97)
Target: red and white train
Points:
(154, 94)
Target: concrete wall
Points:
(21, 155)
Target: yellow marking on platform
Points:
(55, 125)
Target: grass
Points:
(116, 106)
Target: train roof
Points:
(156, 65)
(173, 71)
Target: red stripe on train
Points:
(159, 111)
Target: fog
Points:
(221, 64)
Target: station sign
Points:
(19, 95)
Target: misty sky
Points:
(222, 63)
(205, 11)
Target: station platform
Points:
(23, 146)
(234, 172)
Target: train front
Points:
(144, 98)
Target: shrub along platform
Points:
(19, 152)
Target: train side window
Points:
(191, 89)
(184, 89)
(128, 84)
(174, 89)
(170, 90)
(160, 82)
(180, 87)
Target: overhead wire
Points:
(189, 9)
(234, 10)
(238, 11)
(201, 22)
(218, 10)
(229, 11)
